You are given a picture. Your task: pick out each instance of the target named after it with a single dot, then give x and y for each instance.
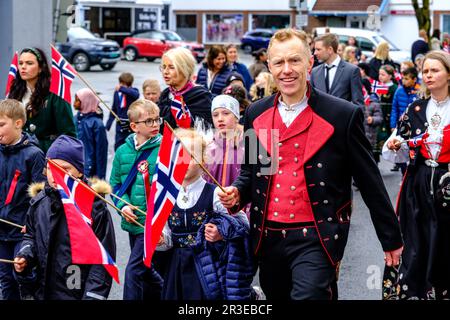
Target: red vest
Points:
(288, 200)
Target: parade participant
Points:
(240, 94)
(335, 76)
(225, 153)
(200, 228)
(91, 131)
(380, 58)
(214, 72)
(45, 255)
(177, 68)
(124, 96)
(264, 86)
(22, 164)
(260, 64)
(151, 90)
(234, 65)
(305, 148)
(48, 115)
(424, 199)
(132, 170)
(373, 117)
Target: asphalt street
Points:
(362, 266)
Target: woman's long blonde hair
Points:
(444, 58)
(382, 51)
(269, 89)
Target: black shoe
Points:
(395, 168)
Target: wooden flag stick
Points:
(90, 87)
(7, 261)
(195, 159)
(129, 204)
(94, 192)
(12, 223)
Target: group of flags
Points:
(63, 75)
(78, 198)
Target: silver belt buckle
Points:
(431, 163)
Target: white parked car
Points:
(367, 41)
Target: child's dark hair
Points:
(410, 72)
(239, 93)
(126, 78)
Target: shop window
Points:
(187, 26)
(270, 21)
(223, 28)
(446, 23)
(116, 20)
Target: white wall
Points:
(230, 5)
(401, 30)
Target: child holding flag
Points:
(124, 96)
(22, 163)
(46, 252)
(132, 171)
(204, 239)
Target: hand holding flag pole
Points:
(93, 191)
(91, 88)
(195, 159)
(128, 204)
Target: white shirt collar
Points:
(335, 62)
(299, 105)
(196, 185)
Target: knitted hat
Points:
(227, 102)
(68, 149)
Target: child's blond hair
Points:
(136, 108)
(13, 109)
(152, 84)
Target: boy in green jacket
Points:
(132, 170)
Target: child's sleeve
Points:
(114, 108)
(167, 236)
(27, 248)
(116, 183)
(37, 167)
(217, 205)
(131, 92)
(394, 111)
(99, 281)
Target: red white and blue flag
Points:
(366, 96)
(379, 88)
(181, 112)
(122, 100)
(172, 164)
(77, 199)
(13, 68)
(62, 76)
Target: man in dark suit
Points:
(335, 76)
(302, 148)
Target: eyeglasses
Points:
(164, 67)
(151, 122)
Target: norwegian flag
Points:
(77, 199)
(180, 112)
(379, 88)
(366, 96)
(12, 72)
(62, 76)
(418, 140)
(172, 164)
(398, 76)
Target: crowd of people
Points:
(284, 200)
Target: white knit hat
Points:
(227, 102)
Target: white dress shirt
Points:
(332, 72)
(289, 113)
(442, 110)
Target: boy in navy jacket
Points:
(21, 163)
(124, 96)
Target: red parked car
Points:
(151, 44)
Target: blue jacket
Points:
(132, 94)
(243, 71)
(403, 97)
(23, 163)
(217, 84)
(92, 132)
(225, 268)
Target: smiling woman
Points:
(48, 115)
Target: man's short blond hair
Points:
(287, 34)
(13, 109)
(139, 106)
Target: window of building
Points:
(270, 21)
(446, 23)
(116, 20)
(187, 26)
(223, 28)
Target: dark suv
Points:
(255, 39)
(83, 50)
